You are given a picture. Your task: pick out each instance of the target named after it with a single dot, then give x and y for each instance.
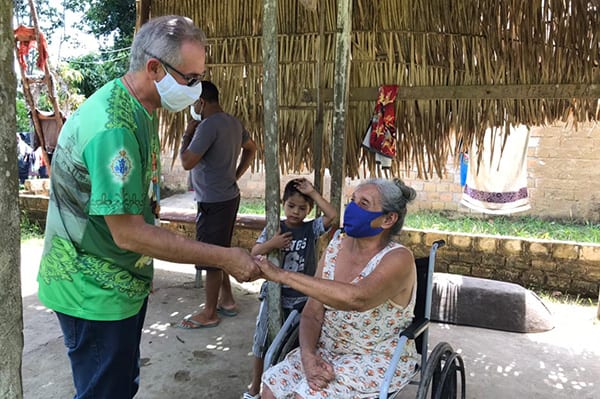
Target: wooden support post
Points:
(143, 12)
(317, 144)
(270, 115)
(340, 99)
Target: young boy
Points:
(296, 239)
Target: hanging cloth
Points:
(381, 132)
(25, 38)
(498, 184)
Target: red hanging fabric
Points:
(25, 38)
(381, 133)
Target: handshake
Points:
(244, 267)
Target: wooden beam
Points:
(341, 87)
(270, 120)
(143, 12)
(483, 92)
(318, 134)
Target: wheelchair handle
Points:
(438, 244)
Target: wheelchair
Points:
(441, 374)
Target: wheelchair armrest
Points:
(415, 329)
(292, 320)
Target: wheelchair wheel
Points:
(447, 386)
(291, 342)
(430, 377)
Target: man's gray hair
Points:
(162, 37)
(395, 195)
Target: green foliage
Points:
(252, 206)
(29, 230)
(23, 121)
(104, 18)
(96, 70)
(113, 19)
(522, 226)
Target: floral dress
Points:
(359, 345)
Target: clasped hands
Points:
(245, 268)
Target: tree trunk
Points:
(271, 107)
(11, 306)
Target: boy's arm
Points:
(261, 248)
(329, 213)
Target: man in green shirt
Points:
(96, 270)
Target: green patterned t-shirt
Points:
(105, 162)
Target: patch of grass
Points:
(512, 226)
(252, 206)
(30, 230)
(559, 297)
(521, 226)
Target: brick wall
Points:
(563, 174)
(552, 265)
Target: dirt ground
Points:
(216, 362)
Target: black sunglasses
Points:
(191, 80)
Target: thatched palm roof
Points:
(462, 66)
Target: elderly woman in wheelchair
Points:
(361, 297)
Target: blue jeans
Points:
(104, 355)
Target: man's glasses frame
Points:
(191, 79)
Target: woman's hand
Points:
(318, 371)
(268, 270)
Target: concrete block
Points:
(517, 262)
(512, 247)
(565, 251)
(482, 272)
(590, 253)
(463, 242)
(546, 265)
(539, 249)
(486, 244)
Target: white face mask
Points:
(174, 96)
(195, 116)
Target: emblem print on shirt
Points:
(121, 165)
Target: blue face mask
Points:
(357, 221)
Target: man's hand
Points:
(319, 372)
(242, 266)
(191, 128)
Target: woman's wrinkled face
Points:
(368, 198)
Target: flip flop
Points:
(191, 324)
(226, 312)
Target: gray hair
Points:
(162, 37)
(395, 195)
